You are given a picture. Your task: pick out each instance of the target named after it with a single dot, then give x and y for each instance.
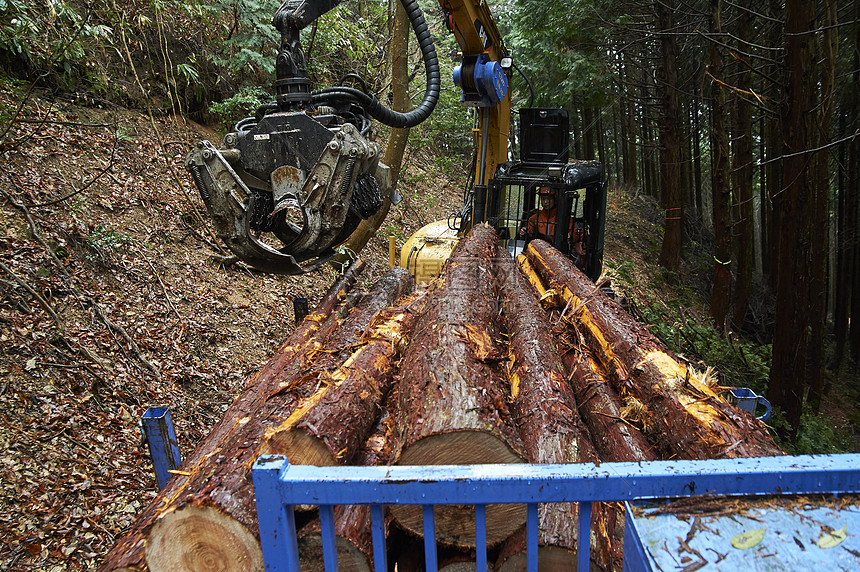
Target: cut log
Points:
(544, 407)
(393, 285)
(687, 418)
(543, 403)
(208, 479)
(616, 438)
(354, 539)
(329, 426)
(452, 401)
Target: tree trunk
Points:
(820, 245)
(670, 140)
(328, 426)
(629, 119)
(844, 244)
(685, 418)
(722, 195)
(451, 366)
(788, 380)
(773, 136)
(227, 541)
(399, 137)
(742, 167)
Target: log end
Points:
(455, 524)
(349, 557)
(550, 559)
(201, 538)
(459, 448)
(300, 447)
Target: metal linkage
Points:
(280, 485)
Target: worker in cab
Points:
(542, 223)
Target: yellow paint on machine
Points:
(426, 251)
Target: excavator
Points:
(291, 183)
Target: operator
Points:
(542, 225)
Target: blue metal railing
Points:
(280, 485)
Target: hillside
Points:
(112, 300)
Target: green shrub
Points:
(243, 104)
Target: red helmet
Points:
(545, 191)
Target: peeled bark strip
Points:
(329, 426)
(688, 420)
(451, 406)
(218, 525)
(395, 284)
(544, 407)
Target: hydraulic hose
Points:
(431, 92)
(529, 83)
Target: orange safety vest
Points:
(542, 225)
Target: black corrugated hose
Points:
(431, 93)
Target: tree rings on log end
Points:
(201, 538)
(550, 559)
(467, 447)
(455, 524)
(349, 558)
(299, 447)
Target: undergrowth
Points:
(737, 362)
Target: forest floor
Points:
(111, 301)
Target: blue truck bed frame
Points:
(279, 486)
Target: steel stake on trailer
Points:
(158, 432)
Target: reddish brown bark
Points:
(615, 438)
(329, 425)
(219, 464)
(544, 407)
(452, 406)
(687, 419)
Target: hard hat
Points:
(545, 191)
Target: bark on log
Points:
(615, 438)
(328, 426)
(219, 464)
(451, 406)
(544, 407)
(395, 284)
(687, 419)
(354, 539)
(599, 406)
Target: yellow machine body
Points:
(427, 250)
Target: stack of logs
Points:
(497, 361)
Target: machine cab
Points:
(548, 196)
